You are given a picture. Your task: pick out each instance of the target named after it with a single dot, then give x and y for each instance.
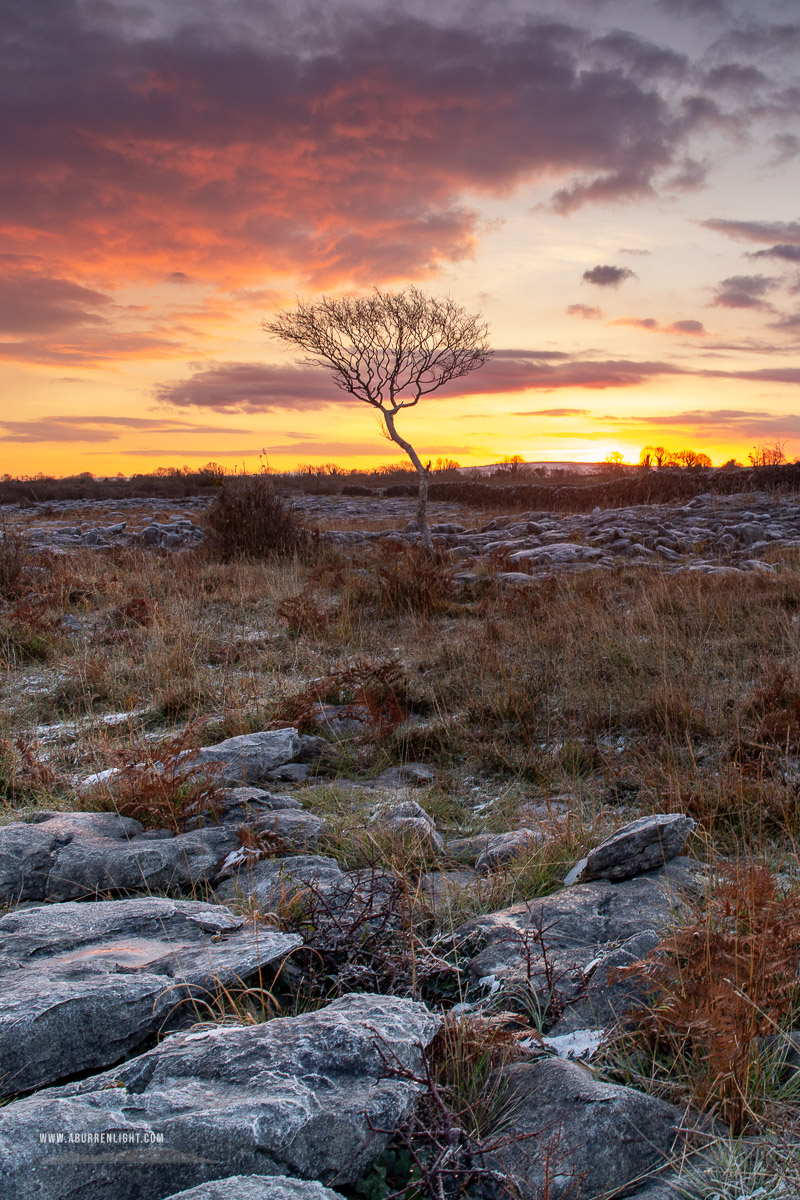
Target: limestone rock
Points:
(505, 847)
(640, 846)
(68, 856)
(248, 758)
(409, 822)
(573, 927)
(589, 1138)
(257, 1187)
(301, 1096)
(84, 984)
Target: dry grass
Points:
(666, 691)
(722, 994)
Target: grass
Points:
(722, 994)
(628, 691)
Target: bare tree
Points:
(768, 455)
(389, 349)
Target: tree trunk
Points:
(422, 472)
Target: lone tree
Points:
(389, 349)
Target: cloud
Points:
(608, 276)
(638, 322)
(695, 8)
(587, 311)
(693, 328)
(253, 387)
(41, 304)
(745, 291)
(784, 251)
(337, 146)
(554, 412)
(735, 77)
(739, 423)
(757, 231)
(97, 428)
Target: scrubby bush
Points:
(250, 519)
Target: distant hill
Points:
(574, 468)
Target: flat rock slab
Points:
(69, 856)
(249, 758)
(257, 1187)
(312, 878)
(83, 984)
(564, 937)
(640, 846)
(582, 1137)
(301, 1096)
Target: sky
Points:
(613, 184)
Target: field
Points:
(572, 704)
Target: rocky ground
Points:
(365, 917)
(709, 533)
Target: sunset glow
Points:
(613, 185)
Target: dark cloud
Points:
(691, 175)
(735, 77)
(761, 39)
(40, 304)
(695, 8)
(587, 311)
(97, 429)
(694, 328)
(787, 148)
(727, 421)
(785, 251)
(642, 58)
(631, 250)
(253, 387)
(342, 154)
(745, 291)
(608, 276)
(789, 322)
(554, 412)
(787, 232)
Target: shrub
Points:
(14, 561)
(411, 579)
(722, 991)
(249, 519)
(158, 785)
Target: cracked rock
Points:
(257, 1187)
(640, 846)
(84, 984)
(306, 1096)
(69, 856)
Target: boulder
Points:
(640, 846)
(579, 1137)
(505, 847)
(257, 1187)
(409, 822)
(248, 758)
(84, 984)
(551, 946)
(69, 856)
(308, 1096)
(239, 805)
(274, 881)
(411, 774)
